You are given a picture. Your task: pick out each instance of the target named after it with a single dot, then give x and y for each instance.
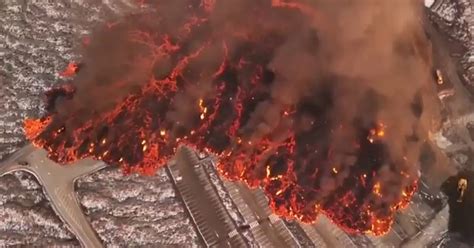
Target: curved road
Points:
(58, 186)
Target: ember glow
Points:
(71, 70)
(264, 91)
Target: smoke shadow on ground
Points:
(461, 218)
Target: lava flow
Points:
(320, 115)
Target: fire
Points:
(228, 79)
(376, 133)
(376, 189)
(34, 127)
(71, 70)
(202, 109)
(379, 226)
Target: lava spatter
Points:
(263, 91)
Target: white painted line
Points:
(233, 233)
(253, 224)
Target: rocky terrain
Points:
(26, 218)
(135, 210)
(456, 19)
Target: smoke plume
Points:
(323, 103)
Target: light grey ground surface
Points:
(26, 216)
(135, 210)
(456, 19)
(37, 40)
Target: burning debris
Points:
(71, 70)
(317, 102)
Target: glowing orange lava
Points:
(227, 79)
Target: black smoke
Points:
(339, 69)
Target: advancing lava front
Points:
(247, 81)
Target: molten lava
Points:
(214, 89)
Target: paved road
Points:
(213, 222)
(442, 59)
(268, 229)
(426, 236)
(58, 186)
(206, 209)
(265, 222)
(314, 236)
(459, 107)
(58, 182)
(332, 234)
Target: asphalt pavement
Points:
(265, 222)
(58, 186)
(202, 201)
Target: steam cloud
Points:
(339, 69)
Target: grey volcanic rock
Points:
(37, 40)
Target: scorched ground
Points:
(326, 121)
